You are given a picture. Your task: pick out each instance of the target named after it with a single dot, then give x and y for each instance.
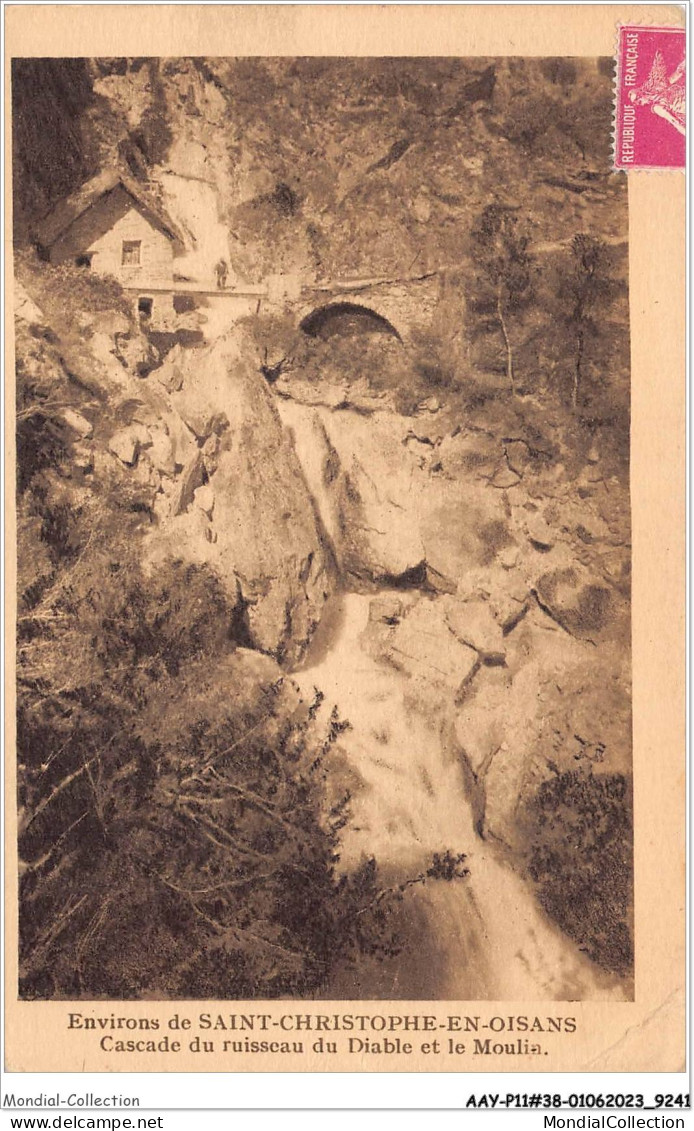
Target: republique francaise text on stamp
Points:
(650, 98)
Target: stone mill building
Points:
(112, 226)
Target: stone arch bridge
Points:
(397, 306)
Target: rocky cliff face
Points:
(503, 623)
(240, 503)
(200, 444)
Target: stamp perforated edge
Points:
(615, 168)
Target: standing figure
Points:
(221, 271)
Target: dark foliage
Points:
(174, 834)
(580, 858)
(149, 143)
(50, 153)
(586, 290)
(499, 248)
(285, 200)
(173, 842)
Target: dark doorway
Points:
(83, 261)
(346, 319)
(144, 307)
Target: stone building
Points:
(113, 227)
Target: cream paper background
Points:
(647, 1034)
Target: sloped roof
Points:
(52, 226)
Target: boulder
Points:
(147, 477)
(558, 704)
(311, 394)
(480, 720)
(381, 539)
(320, 463)
(83, 458)
(503, 784)
(189, 538)
(359, 474)
(509, 598)
(415, 639)
(387, 609)
(204, 499)
(161, 451)
(269, 537)
(25, 307)
(464, 528)
(258, 529)
(204, 399)
(183, 443)
(429, 404)
(518, 456)
(474, 624)
(125, 445)
(539, 532)
(170, 375)
(391, 517)
(187, 484)
(210, 453)
(135, 353)
(508, 557)
(78, 423)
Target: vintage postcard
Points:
(345, 457)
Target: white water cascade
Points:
(484, 937)
(480, 938)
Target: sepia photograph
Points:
(323, 529)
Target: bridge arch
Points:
(346, 319)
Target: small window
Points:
(83, 261)
(144, 307)
(131, 252)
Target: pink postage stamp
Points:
(650, 98)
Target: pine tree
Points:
(500, 252)
(586, 288)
